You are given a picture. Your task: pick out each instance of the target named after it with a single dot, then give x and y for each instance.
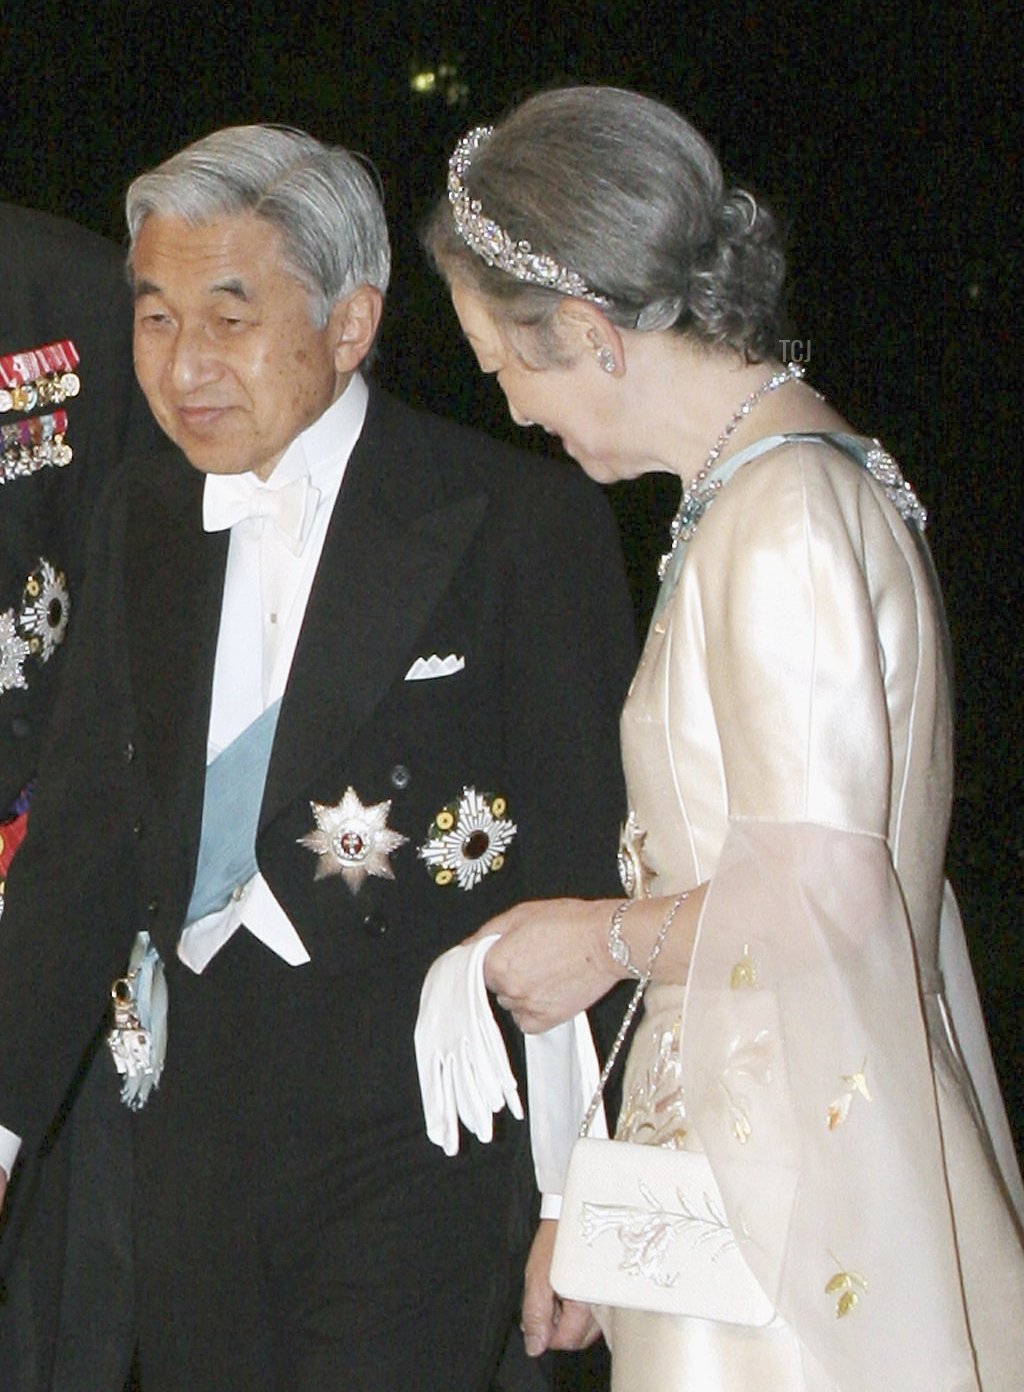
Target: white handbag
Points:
(645, 1227)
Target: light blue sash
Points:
(231, 809)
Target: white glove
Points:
(460, 1055)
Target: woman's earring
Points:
(606, 359)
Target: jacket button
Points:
(153, 908)
(375, 924)
(137, 828)
(129, 751)
(21, 726)
(400, 777)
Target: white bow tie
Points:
(231, 498)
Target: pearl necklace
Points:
(699, 492)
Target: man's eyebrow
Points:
(232, 286)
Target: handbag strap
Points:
(631, 1009)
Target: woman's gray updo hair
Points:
(623, 191)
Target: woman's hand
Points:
(551, 960)
(548, 1321)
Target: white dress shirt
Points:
(266, 588)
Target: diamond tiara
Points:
(492, 243)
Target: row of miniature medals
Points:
(36, 377)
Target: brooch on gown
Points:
(884, 470)
(634, 872)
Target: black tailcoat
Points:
(58, 282)
(441, 543)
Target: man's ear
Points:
(354, 322)
(584, 327)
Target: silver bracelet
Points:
(618, 950)
(634, 1004)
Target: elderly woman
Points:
(787, 745)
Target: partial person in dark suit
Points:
(66, 397)
(69, 411)
(348, 684)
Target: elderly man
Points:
(353, 684)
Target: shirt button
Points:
(238, 892)
(400, 777)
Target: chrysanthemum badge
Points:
(353, 841)
(45, 607)
(468, 839)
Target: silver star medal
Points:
(353, 841)
(13, 652)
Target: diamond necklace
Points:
(699, 492)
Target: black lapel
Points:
(390, 553)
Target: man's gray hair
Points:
(322, 200)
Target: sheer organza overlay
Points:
(788, 740)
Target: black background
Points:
(886, 142)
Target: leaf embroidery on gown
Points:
(845, 1284)
(653, 1113)
(748, 1063)
(856, 1085)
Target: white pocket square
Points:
(426, 668)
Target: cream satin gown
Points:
(787, 738)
